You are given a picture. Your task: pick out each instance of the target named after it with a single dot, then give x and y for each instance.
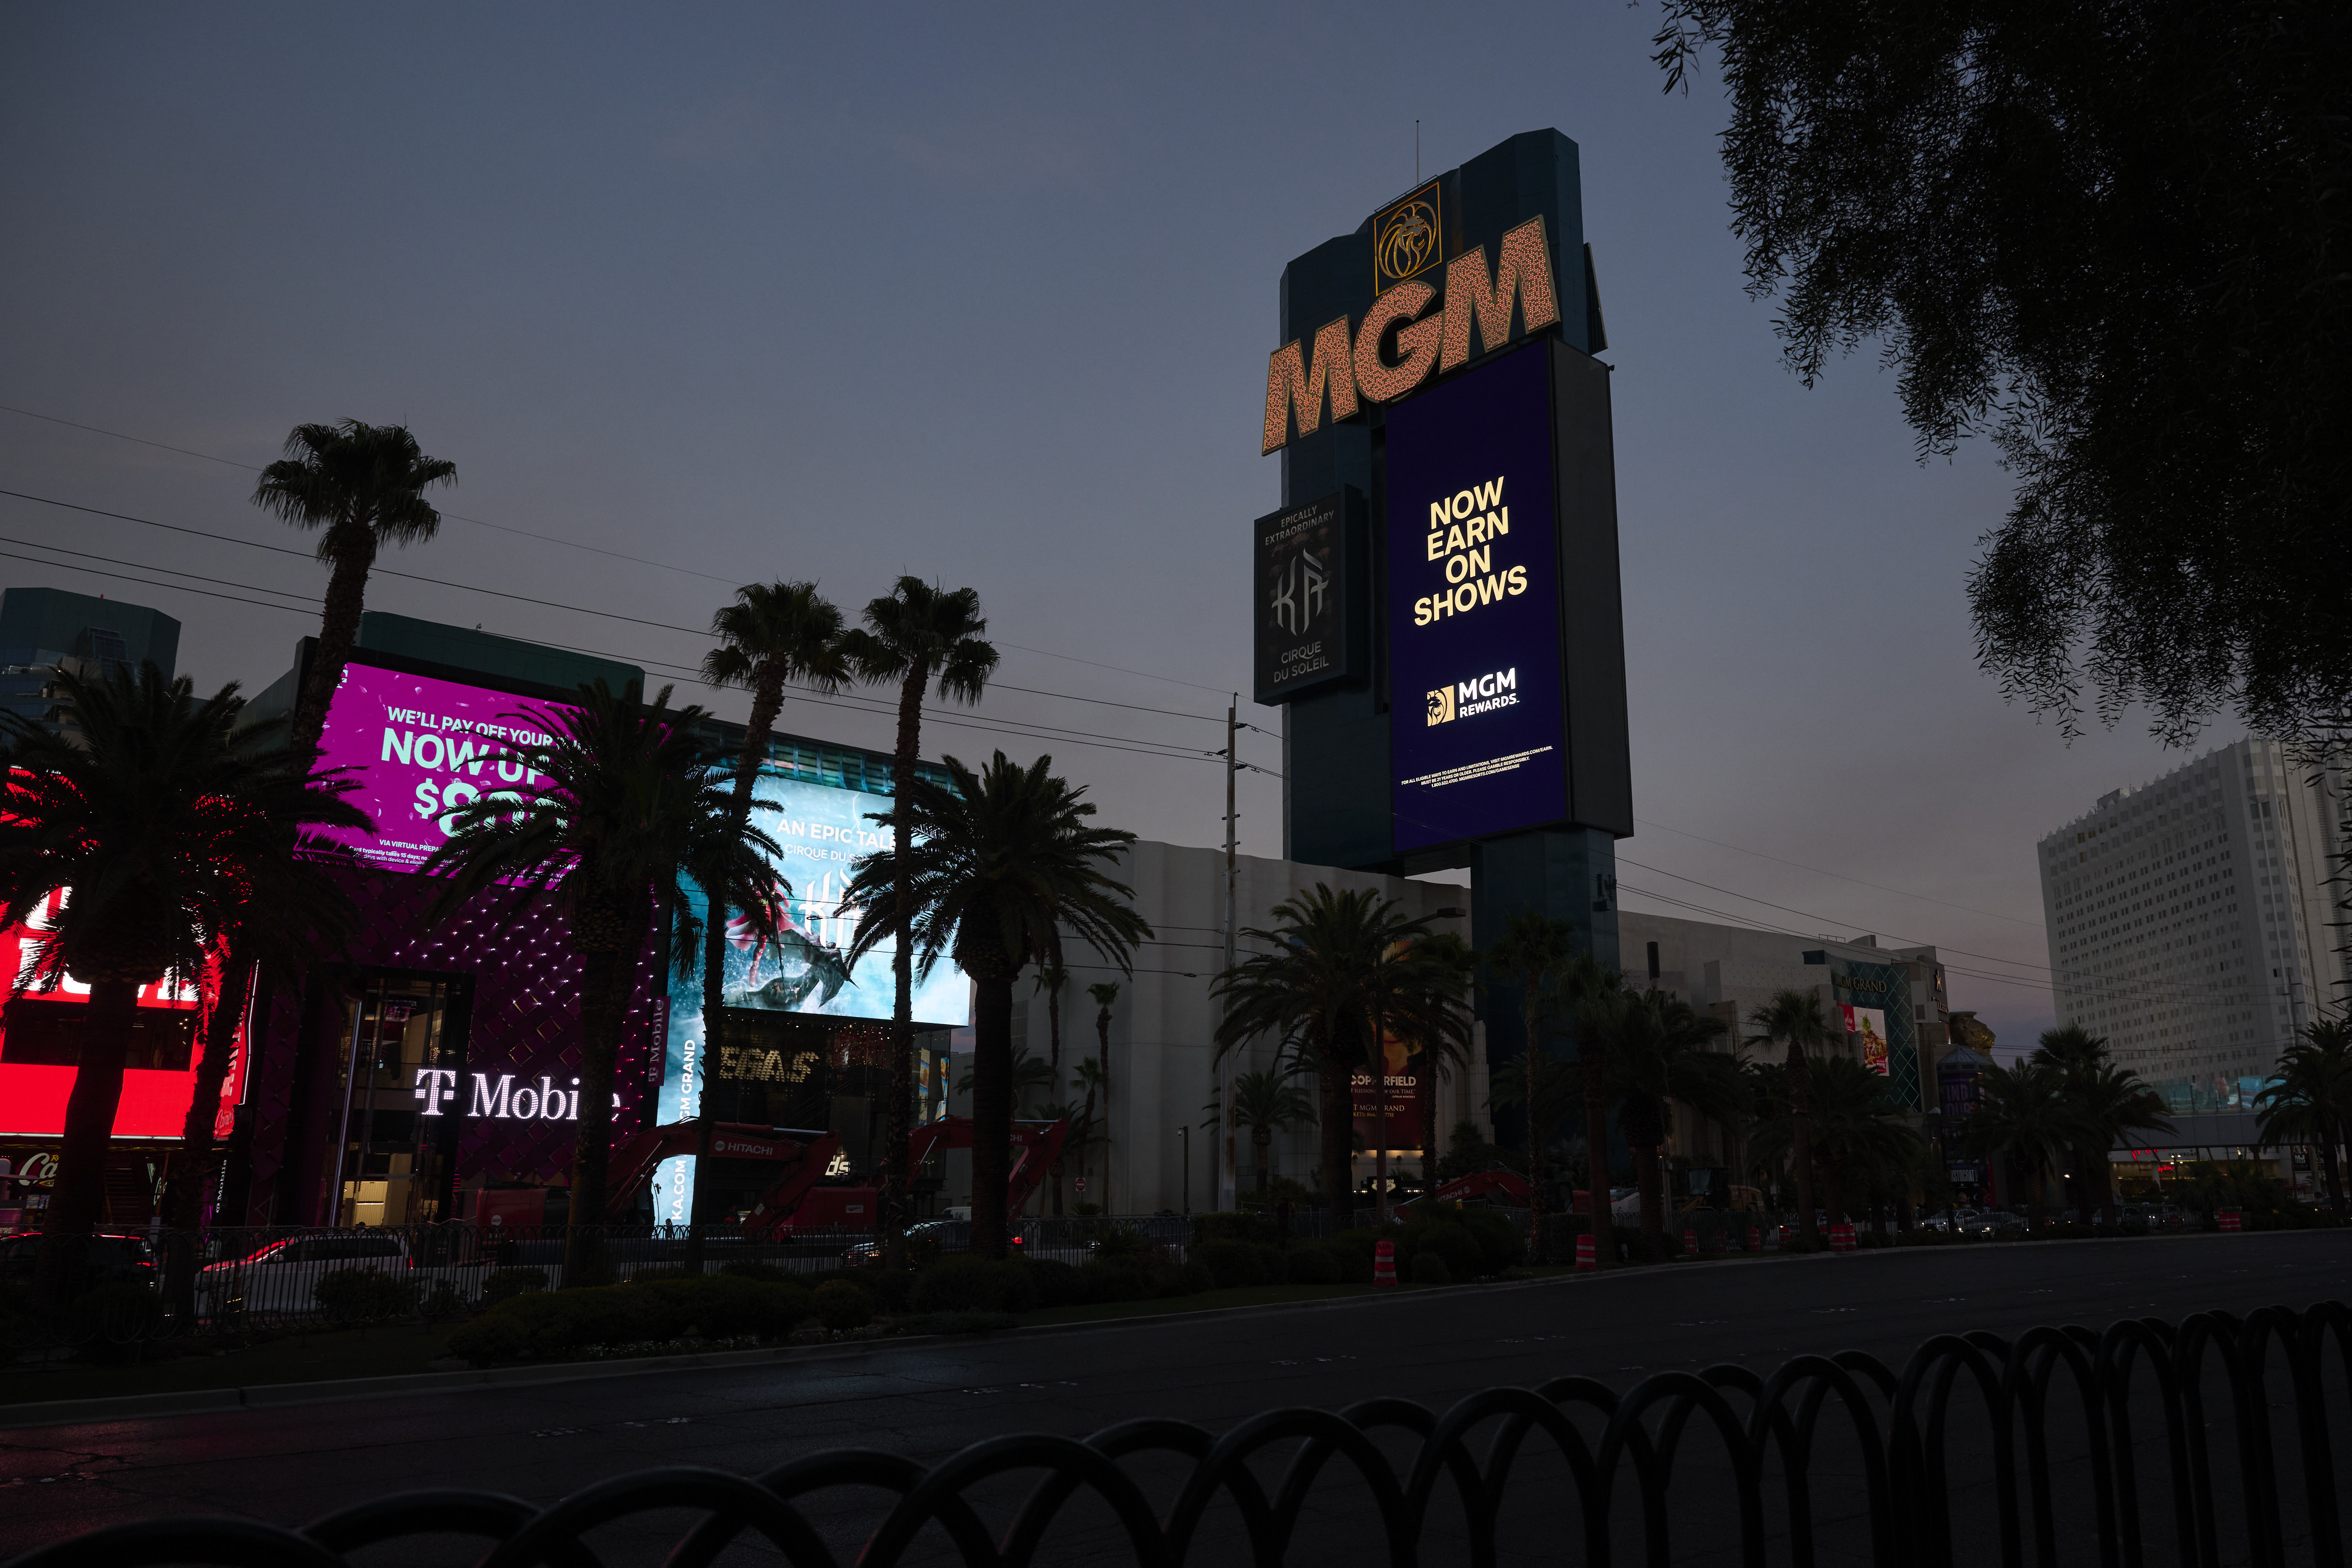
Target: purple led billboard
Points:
(420, 748)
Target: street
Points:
(927, 1400)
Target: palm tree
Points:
(774, 633)
(1105, 994)
(364, 486)
(1053, 980)
(1322, 987)
(1795, 1018)
(1536, 950)
(2107, 1103)
(1266, 1101)
(923, 637)
(164, 823)
(1660, 1056)
(1453, 968)
(1857, 1141)
(2021, 1115)
(2309, 1097)
(999, 863)
(628, 795)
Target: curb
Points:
(268, 1396)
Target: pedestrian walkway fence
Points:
(2205, 1442)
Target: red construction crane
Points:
(802, 1154)
(1035, 1146)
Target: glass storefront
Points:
(395, 1023)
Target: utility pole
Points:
(1227, 1197)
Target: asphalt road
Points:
(928, 1399)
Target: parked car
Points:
(111, 1256)
(1992, 1223)
(947, 1235)
(283, 1277)
(1947, 1219)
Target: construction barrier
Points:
(1841, 1236)
(1384, 1265)
(2230, 1221)
(1587, 1258)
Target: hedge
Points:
(714, 1306)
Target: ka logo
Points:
(1406, 239)
(1441, 704)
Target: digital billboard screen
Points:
(1478, 734)
(419, 748)
(1304, 587)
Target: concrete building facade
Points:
(2192, 919)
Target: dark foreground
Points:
(926, 1401)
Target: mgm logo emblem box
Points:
(1408, 239)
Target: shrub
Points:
(1192, 1279)
(746, 1268)
(1500, 1245)
(364, 1295)
(442, 1301)
(1354, 1249)
(544, 1323)
(1058, 1283)
(1429, 1269)
(659, 1271)
(1443, 1239)
(1310, 1266)
(1236, 1264)
(842, 1304)
(1104, 1280)
(1231, 1227)
(111, 1321)
(1121, 1243)
(505, 1284)
(964, 1282)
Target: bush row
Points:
(713, 1306)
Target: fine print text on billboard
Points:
(420, 748)
(1299, 557)
(1478, 736)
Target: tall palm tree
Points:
(162, 822)
(998, 862)
(1535, 953)
(1857, 1140)
(773, 634)
(363, 487)
(2023, 1118)
(2107, 1103)
(2309, 1097)
(1795, 1019)
(1452, 966)
(628, 789)
(1105, 995)
(1322, 986)
(1660, 1056)
(923, 637)
(1266, 1101)
(1052, 980)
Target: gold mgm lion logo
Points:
(1407, 239)
(1441, 704)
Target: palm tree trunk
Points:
(1102, 1032)
(1338, 1122)
(705, 1109)
(2329, 1136)
(1531, 1079)
(992, 1099)
(80, 1200)
(1596, 1145)
(1645, 1152)
(339, 631)
(606, 971)
(183, 1196)
(899, 1127)
(1800, 1146)
(1261, 1142)
(1425, 1094)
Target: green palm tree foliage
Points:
(1266, 1101)
(922, 638)
(628, 801)
(1535, 954)
(164, 823)
(2108, 1104)
(361, 487)
(998, 863)
(1795, 1019)
(2022, 1119)
(1452, 966)
(2308, 1099)
(1859, 1142)
(1332, 970)
(775, 633)
(1658, 1056)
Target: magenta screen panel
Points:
(420, 748)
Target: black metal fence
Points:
(2205, 1443)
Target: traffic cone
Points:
(1756, 1239)
(1384, 1265)
(1690, 1241)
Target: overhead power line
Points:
(1841, 876)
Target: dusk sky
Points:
(985, 295)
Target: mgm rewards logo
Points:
(1407, 239)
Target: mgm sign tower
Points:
(1436, 600)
